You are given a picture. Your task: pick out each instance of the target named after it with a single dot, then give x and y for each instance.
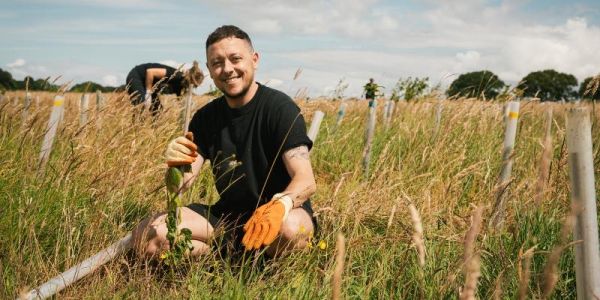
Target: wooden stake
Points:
(340, 257)
(187, 110)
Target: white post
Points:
(387, 113)
(510, 134)
(99, 101)
(341, 113)
(505, 111)
(583, 199)
(99, 107)
(315, 124)
(369, 137)
(79, 271)
(83, 109)
(62, 111)
(26, 105)
(438, 118)
(55, 117)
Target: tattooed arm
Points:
(302, 185)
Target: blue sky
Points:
(101, 40)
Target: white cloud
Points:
(331, 39)
(572, 47)
(110, 80)
(110, 3)
(21, 68)
(17, 63)
(265, 26)
(352, 18)
(175, 64)
(469, 60)
(322, 69)
(500, 38)
(274, 82)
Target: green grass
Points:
(105, 177)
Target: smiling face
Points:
(231, 63)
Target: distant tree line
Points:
(547, 85)
(8, 83)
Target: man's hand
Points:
(264, 225)
(148, 99)
(181, 151)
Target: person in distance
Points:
(146, 81)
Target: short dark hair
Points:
(227, 31)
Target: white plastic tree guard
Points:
(341, 113)
(315, 124)
(55, 117)
(583, 199)
(369, 136)
(83, 109)
(438, 118)
(510, 134)
(79, 271)
(26, 106)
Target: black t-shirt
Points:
(172, 81)
(245, 147)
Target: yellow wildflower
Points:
(322, 245)
(164, 255)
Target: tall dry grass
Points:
(104, 177)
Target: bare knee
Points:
(149, 237)
(294, 233)
(154, 248)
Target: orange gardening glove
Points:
(181, 151)
(264, 225)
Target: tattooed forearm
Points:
(302, 184)
(299, 196)
(298, 152)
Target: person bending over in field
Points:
(146, 81)
(255, 138)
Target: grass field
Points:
(104, 177)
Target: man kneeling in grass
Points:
(255, 138)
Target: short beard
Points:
(239, 95)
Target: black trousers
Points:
(136, 88)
